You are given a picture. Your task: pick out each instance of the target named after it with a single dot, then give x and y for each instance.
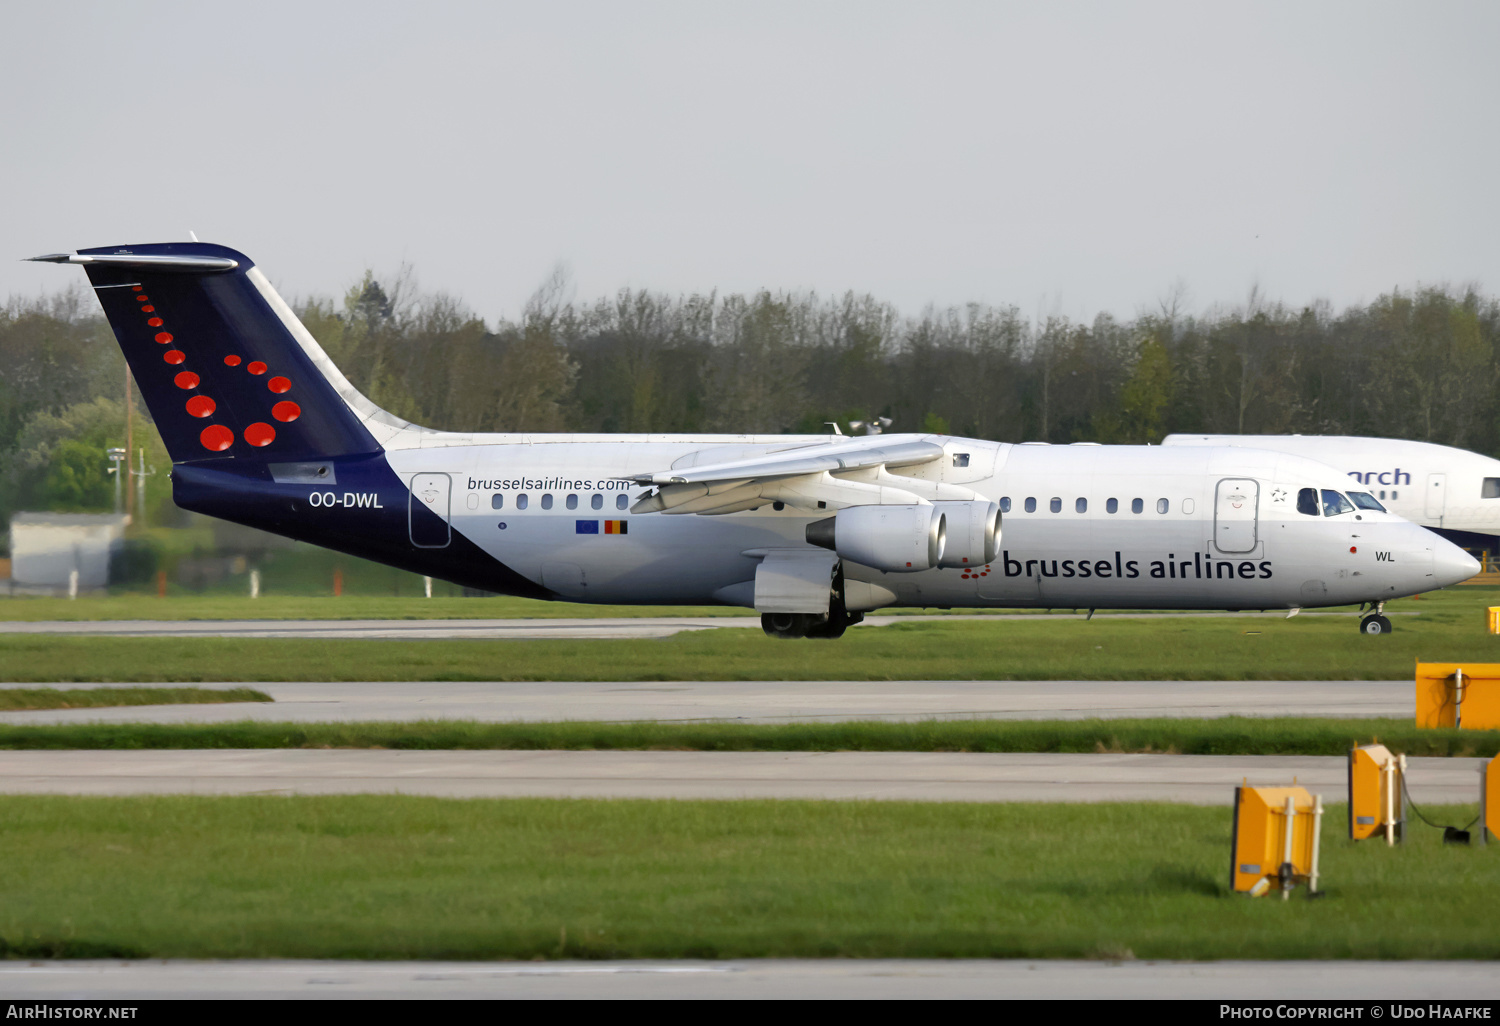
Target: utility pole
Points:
(129, 440)
(140, 483)
(121, 460)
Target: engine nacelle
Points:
(897, 539)
(973, 533)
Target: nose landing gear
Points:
(1376, 622)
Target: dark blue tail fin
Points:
(218, 357)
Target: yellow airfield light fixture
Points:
(1377, 794)
(1463, 695)
(1275, 840)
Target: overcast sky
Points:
(1067, 158)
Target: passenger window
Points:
(1055, 505)
(621, 501)
(1081, 506)
(497, 501)
(597, 502)
(572, 501)
(547, 500)
(1393, 495)
(1162, 505)
(1112, 506)
(1005, 504)
(522, 501)
(960, 459)
(1491, 489)
(1187, 507)
(1307, 501)
(1382, 493)
(1137, 505)
(1030, 504)
(1334, 503)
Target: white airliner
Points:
(811, 531)
(1452, 491)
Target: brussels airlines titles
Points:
(1199, 567)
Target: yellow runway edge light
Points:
(1465, 695)
(1377, 797)
(1275, 840)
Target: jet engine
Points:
(898, 539)
(973, 533)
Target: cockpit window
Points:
(1334, 503)
(1364, 500)
(1307, 502)
(1491, 488)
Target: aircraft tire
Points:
(785, 625)
(833, 627)
(1375, 624)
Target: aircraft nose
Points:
(1451, 564)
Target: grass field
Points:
(15, 699)
(399, 877)
(310, 607)
(926, 648)
(1231, 735)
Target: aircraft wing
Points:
(798, 461)
(851, 473)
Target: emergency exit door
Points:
(1235, 503)
(430, 494)
(1432, 504)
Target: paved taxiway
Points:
(515, 630)
(1263, 982)
(881, 776)
(767, 701)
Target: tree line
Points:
(1420, 363)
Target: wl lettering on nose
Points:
(1383, 557)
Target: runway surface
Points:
(1265, 983)
(881, 776)
(767, 701)
(514, 630)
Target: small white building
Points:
(45, 548)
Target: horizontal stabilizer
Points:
(145, 261)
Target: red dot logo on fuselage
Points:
(216, 438)
(260, 434)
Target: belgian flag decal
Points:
(592, 527)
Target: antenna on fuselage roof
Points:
(871, 427)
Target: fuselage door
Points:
(1433, 504)
(1235, 505)
(429, 494)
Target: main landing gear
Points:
(1376, 622)
(809, 625)
(814, 625)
